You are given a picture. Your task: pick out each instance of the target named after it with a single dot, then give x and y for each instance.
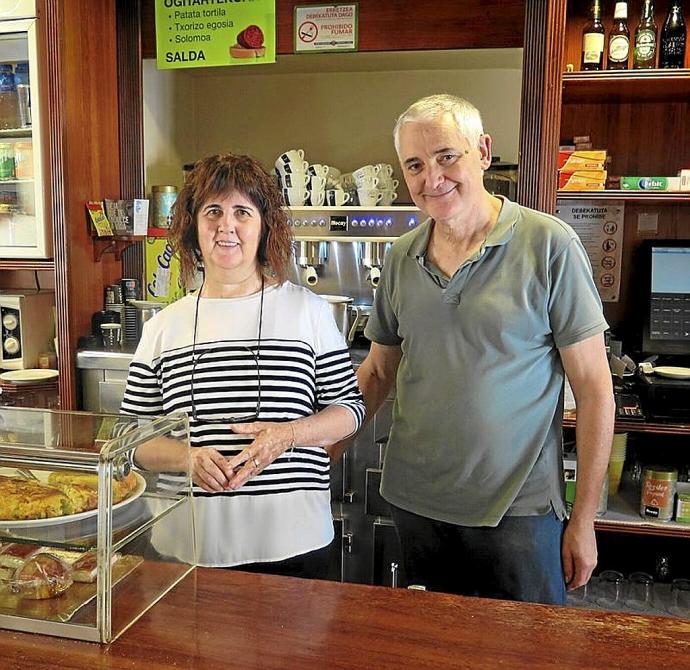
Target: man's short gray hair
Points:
(466, 116)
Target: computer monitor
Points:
(667, 320)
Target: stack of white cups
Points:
(291, 169)
(367, 181)
(387, 184)
(318, 175)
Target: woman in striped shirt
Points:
(261, 369)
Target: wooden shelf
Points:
(623, 516)
(628, 196)
(626, 86)
(47, 264)
(15, 132)
(642, 427)
(113, 245)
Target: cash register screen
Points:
(668, 328)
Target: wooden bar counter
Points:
(227, 619)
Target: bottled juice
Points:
(9, 104)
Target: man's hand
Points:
(579, 553)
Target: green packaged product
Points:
(650, 183)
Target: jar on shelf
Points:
(658, 492)
(9, 103)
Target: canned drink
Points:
(6, 161)
(658, 492)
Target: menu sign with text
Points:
(599, 226)
(209, 33)
(325, 28)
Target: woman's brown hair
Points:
(219, 175)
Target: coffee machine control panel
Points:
(352, 222)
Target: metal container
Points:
(146, 309)
(658, 492)
(163, 198)
(340, 308)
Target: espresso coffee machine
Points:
(339, 253)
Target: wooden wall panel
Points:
(541, 100)
(79, 50)
(392, 25)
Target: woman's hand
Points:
(270, 440)
(210, 469)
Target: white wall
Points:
(339, 108)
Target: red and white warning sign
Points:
(326, 28)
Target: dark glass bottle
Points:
(646, 38)
(673, 37)
(619, 38)
(593, 40)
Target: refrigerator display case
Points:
(89, 540)
(24, 230)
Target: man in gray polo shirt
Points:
(478, 314)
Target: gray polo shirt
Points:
(476, 428)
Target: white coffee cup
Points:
(293, 167)
(333, 173)
(291, 156)
(295, 180)
(317, 198)
(318, 170)
(385, 169)
(366, 181)
(295, 195)
(387, 198)
(387, 184)
(365, 171)
(335, 197)
(368, 197)
(317, 183)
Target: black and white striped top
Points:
(303, 366)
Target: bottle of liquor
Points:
(673, 36)
(619, 38)
(593, 40)
(645, 38)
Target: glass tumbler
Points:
(640, 595)
(610, 589)
(582, 596)
(680, 598)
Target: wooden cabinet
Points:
(82, 69)
(643, 118)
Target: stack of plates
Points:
(29, 388)
(32, 377)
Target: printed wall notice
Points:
(207, 33)
(325, 28)
(600, 227)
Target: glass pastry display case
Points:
(89, 539)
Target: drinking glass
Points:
(680, 598)
(610, 589)
(640, 591)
